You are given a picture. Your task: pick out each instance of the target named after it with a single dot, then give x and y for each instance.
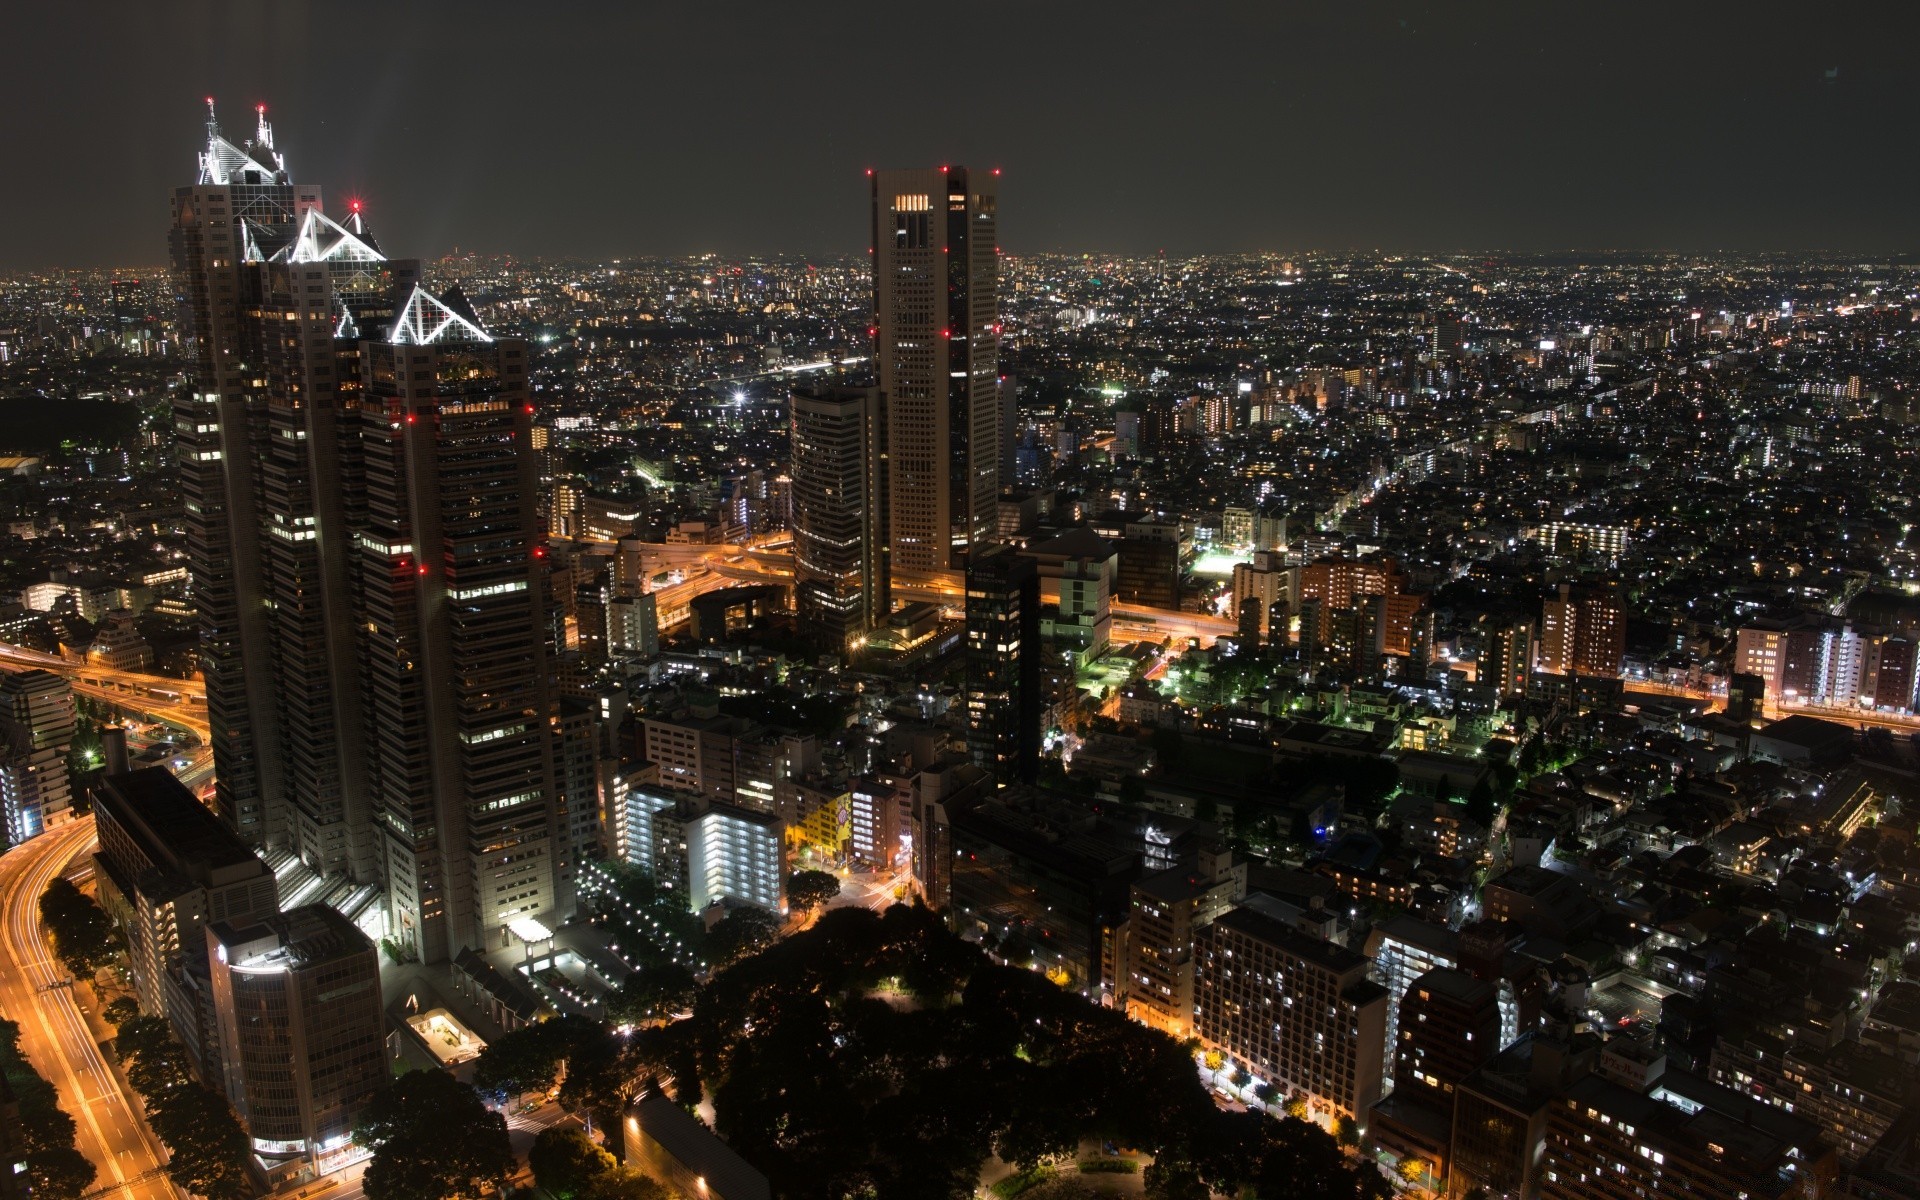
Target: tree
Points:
(83, 935)
(54, 1169)
(119, 1012)
(1530, 756)
(523, 1060)
(431, 1139)
(811, 889)
(655, 992)
(621, 1184)
(207, 1146)
(565, 1160)
(742, 933)
(1481, 808)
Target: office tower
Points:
(840, 576)
(460, 759)
(36, 726)
(1149, 564)
(1009, 428)
(241, 192)
(166, 867)
(296, 999)
(937, 360)
(1295, 1012)
(1583, 631)
(363, 534)
(1003, 664)
(577, 823)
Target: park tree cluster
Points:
(878, 1054)
(569, 1165)
(83, 935)
(207, 1146)
(54, 1169)
(431, 1138)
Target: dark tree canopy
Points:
(812, 1045)
(744, 931)
(54, 1168)
(811, 889)
(565, 1160)
(207, 1146)
(431, 1139)
(84, 939)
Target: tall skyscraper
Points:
(840, 576)
(241, 192)
(363, 544)
(1003, 664)
(460, 757)
(937, 359)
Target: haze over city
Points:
(605, 129)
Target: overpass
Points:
(181, 703)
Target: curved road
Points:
(54, 1035)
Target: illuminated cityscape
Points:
(951, 707)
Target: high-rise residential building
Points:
(937, 359)
(1365, 612)
(707, 851)
(1506, 658)
(1272, 587)
(1155, 983)
(1583, 631)
(1449, 1028)
(1685, 1137)
(1003, 664)
(36, 727)
(1295, 1012)
(296, 999)
(840, 576)
(363, 536)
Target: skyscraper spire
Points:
(222, 162)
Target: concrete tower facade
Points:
(937, 358)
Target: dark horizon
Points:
(599, 131)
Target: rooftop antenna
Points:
(263, 133)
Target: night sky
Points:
(602, 129)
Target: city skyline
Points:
(934, 717)
(1416, 129)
